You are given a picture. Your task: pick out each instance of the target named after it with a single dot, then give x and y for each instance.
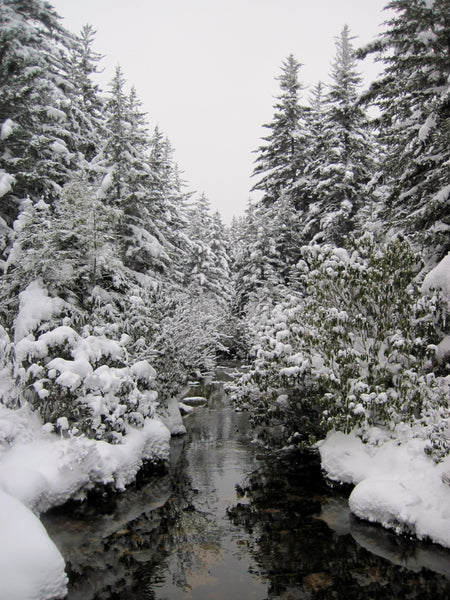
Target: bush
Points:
(356, 341)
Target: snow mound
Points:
(48, 469)
(385, 501)
(172, 418)
(397, 484)
(31, 567)
(439, 277)
(35, 306)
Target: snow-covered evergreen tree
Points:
(258, 265)
(281, 159)
(413, 96)
(170, 190)
(129, 184)
(37, 141)
(207, 269)
(342, 150)
(87, 103)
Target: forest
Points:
(119, 284)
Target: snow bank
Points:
(44, 470)
(172, 418)
(439, 277)
(31, 568)
(38, 470)
(397, 484)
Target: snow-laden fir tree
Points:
(207, 269)
(100, 241)
(37, 141)
(413, 96)
(129, 184)
(342, 150)
(87, 103)
(258, 265)
(282, 157)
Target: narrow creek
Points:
(228, 522)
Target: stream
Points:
(228, 521)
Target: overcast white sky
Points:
(205, 69)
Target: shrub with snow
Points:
(358, 342)
(78, 383)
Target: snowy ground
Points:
(39, 470)
(397, 484)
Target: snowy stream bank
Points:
(396, 483)
(41, 470)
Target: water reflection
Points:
(167, 536)
(191, 533)
(105, 539)
(311, 547)
(218, 454)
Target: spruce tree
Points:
(129, 184)
(170, 191)
(258, 265)
(413, 97)
(87, 103)
(208, 264)
(37, 140)
(342, 155)
(281, 159)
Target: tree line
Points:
(319, 285)
(344, 329)
(95, 214)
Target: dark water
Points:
(190, 533)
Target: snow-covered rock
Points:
(172, 418)
(195, 401)
(185, 409)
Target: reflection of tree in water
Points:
(304, 558)
(190, 541)
(118, 546)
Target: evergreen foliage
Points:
(87, 103)
(117, 286)
(342, 150)
(207, 270)
(357, 344)
(94, 230)
(413, 97)
(281, 160)
(38, 145)
(344, 338)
